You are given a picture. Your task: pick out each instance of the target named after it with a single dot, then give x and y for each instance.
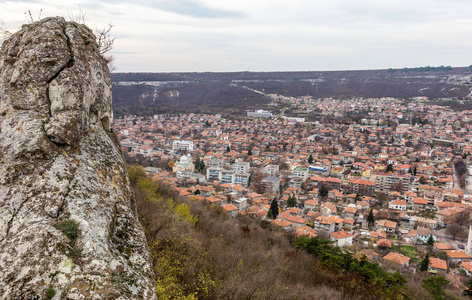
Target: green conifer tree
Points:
(274, 206)
(270, 215)
(310, 159)
(292, 201)
(323, 191)
(424, 263)
(435, 286)
(197, 164)
(370, 218)
(430, 241)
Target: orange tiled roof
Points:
(230, 207)
(456, 254)
(281, 223)
(397, 258)
(437, 263)
(443, 246)
(398, 202)
(420, 201)
(350, 209)
(467, 265)
(341, 234)
(384, 243)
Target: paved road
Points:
(442, 236)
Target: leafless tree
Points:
(397, 186)
(462, 173)
(463, 218)
(453, 229)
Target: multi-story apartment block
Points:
(215, 163)
(241, 167)
(182, 145)
(227, 176)
(272, 170)
(301, 172)
(385, 181)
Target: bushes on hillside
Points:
(199, 252)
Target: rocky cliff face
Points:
(68, 226)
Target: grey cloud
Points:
(191, 8)
(196, 9)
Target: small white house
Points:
(341, 238)
(397, 205)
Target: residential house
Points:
(384, 244)
(325, 222)
(388, 226)
(350, 212)
(437, 265)
(398, 258)
(420, 204)
(241, 204)
(282, 223)
(456, 256)
(397, 205)
(311, 204)
(467, 267)
(231, 210)
(328, 208)
(423, 235)
(341, 238)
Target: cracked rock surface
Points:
(60, 162)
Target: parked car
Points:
(460, 246)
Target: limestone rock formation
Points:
(68, 225)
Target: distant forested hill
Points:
(150, 93)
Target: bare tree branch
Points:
(105, 44)
(78, 17)
(4, 34)
(104, 39)
(29, 16)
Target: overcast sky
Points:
(270, 35)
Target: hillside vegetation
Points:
(199, 252)
(235, 92)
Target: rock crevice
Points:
(61, 165)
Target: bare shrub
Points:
(323, 234)
(220, 257)
(4, 33)
(30, 18)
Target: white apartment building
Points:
(182, 146)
